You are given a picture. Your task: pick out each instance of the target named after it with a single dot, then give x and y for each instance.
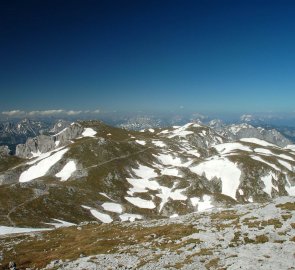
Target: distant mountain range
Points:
(17, 131)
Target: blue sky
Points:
(206, 56)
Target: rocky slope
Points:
(249, 236)
(17, 132)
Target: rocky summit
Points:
(183, 197)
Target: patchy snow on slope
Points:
(224, 169)
(129, 217)
(267, 180)
(181, 131)
(263, 151)
(12, 230)
(194, 153)
(105, 218)
(42, 156)
(145, 172)
(141, 185)
(265, 162)
(174, 216)
(167, 193)
(67, 171)
(164, 131)
(42, 167)
(151, 130)
(168, 159)
(89, 132)
(112, 207)
(62, 131)
(170, 171)
(226, 148)
(141, 203)
(60, 223)
(285, 157)
(204, 204)
(140, 142)
(105, 195)
(290, 147)
(289, 188)
(286, 165)
(36, 154)
(241, 192)
(159, 143)
(258, 141)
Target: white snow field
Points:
(141, 203)
(89, 132)
(224, 169)
(258, 141)
(67, 171)
(12, 230)
(112, 207)
(202, 205)
(42, 167)
(105, 218)
(140, 142)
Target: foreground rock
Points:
(252, 236)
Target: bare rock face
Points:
(59, 126)
(4, 150)
(44, 143)
(72, 132)
(235, 132)
(41, 143)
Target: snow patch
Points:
(140, 142)
(60, 223)
(194, 153)
(170, 171)
(129, 217)
(286, 165)
(167, 193)
(145, 172)
(105, 218)
(141, 203)
(226, 148)
(159, 143)
(258, 141)
(267, 163)
(89, 132)
(224, 169)
(12, 230)
(67, 171)
(168, 159)
(289, 188)
(41, 168)
(203, 205)
(112, 207)
(267, 180)
(105, 195)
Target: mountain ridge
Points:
(96, 168)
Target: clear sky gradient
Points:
(206, 56)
